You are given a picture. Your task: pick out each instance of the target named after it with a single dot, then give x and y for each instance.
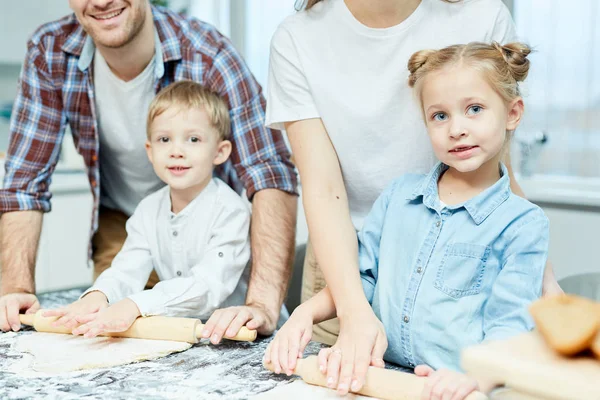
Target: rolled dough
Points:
(59, 353)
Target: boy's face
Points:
(111, 23)
(184, 147)
(466, 118)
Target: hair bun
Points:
(416, 61)
(515, 55)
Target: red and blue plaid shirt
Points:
(56, 89)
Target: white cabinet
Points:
(19, 19)
(62, 260)
(63, 251)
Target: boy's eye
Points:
(163, 139)
(474, 110)
(194, 139)
(440, 116)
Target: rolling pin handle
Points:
(27, 319)
(244, 335)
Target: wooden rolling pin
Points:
(381, 383)
(157, 328)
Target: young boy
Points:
(194, 232)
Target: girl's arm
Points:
(520, 280)
(550, 285)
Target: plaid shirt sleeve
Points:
(260, 155)
(36, 131)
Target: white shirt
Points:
(326, 64)
(126, 175)
(199, 254)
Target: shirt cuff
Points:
(110, 296)
(269, 175)
(149, 302)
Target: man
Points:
(97, 71)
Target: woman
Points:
(337, 84)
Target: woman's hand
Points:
(445, 384)
(290, 341)
(116, 318)
(361, 343)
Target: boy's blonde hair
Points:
(502, 66)
(188, 95)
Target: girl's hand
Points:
(290, 341)
(445, 384)
(116, 318)
(361, 343)
(71, 315)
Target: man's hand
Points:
(228, 321)
(10, 307)
(71, 316)
(115, 318)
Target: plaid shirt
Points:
(56, 88)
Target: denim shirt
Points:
(441, 278)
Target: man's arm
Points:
(273, 232)
(19, 238)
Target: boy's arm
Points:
(130, 269)
(212, 279)
(519, 283)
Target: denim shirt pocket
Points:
(462, 269)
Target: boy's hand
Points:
(116, 318)
(445, 384)
(75, 313)
(290, 341)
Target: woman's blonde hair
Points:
(187, 95)
(502, 65)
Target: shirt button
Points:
(438, 224)
(221, 254)
(406, 319)
(178, 273)
(174, 233)
(419, 270)
(411, 365)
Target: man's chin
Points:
(113, 40)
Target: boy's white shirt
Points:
(199, 254)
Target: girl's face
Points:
(466, 118)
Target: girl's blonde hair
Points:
(502, 65)
(189, 95)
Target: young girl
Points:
(452, 258)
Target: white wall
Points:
(19, 19)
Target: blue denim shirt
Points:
(441, 278)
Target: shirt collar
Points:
(166, 39)
(210, 188)
(479, 207)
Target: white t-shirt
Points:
(199, 255)
(126, 175)
(326, 64)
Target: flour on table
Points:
(299, 390)
(59, 353)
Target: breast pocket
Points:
(461, 271)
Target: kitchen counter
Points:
(232, 370)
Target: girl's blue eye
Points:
(474, 110)
(440, 116)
